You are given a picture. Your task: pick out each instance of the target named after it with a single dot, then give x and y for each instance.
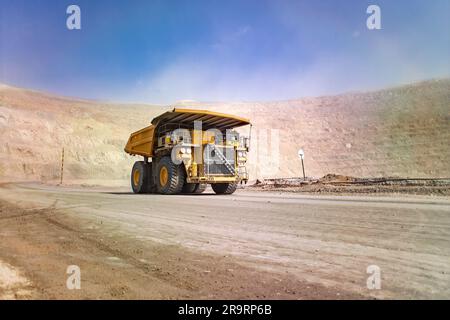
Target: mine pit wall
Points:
(400, 132)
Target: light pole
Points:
(301, 155)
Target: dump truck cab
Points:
(186, 149)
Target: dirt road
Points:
(247, 245)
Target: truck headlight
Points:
(185, 151)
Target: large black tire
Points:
(189, 188)
(174, 181)
(195, 188)
(140, 177)
(151, 186)
(224, 188)
(199, 188)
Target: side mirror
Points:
(247, 143)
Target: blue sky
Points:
(164, 51)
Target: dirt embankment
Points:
(340, 184)
(38, 246)
(402, 131)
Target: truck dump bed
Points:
(141, 142)
(209, 119)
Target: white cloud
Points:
(380, 62)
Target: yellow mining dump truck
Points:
(184, 150)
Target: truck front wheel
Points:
(224, 188)
(194, 188)
(199, 188)
(169, 176)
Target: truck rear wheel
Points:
(169, 176)
(224, 188)
(140, 177)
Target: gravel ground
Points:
(248, 245)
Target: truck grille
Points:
(219, 160)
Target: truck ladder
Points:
(222, 157)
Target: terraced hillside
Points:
(402, 131)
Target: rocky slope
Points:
(402, 131)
